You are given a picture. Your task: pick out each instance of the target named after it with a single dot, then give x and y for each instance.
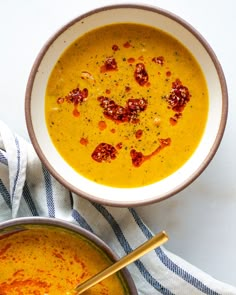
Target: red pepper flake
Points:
(141, 58)
(104, 152)
(127, 44)
(175, 118)
(140, 74)
(112, 110)
(178, 97)
(159, 60)
(119, 145)
(102, 125)
(131, 60)
(137, 105)
(115, 47)
(75, 96)
(127, 88)
(120, 114)
(139, 133)
(84, 141)
(138, 158)
(168, 73)
(113, 130)
(110, 64)
(173, 121)
(108, 91)
(60, 100)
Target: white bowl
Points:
(218, 104)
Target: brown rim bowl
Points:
(215, 125)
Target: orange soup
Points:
(126, 105)
(49, 261)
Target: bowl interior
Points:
(28, 223)
(215, 123)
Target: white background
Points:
(201, 220)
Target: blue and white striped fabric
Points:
(27, 189)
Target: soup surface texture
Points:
(126, 105)
(49, 261)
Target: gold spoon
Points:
(151, 244)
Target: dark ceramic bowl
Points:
(27, 223)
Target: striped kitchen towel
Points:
(27, 189)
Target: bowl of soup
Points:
(126, 105)
(42, 256)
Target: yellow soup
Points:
(49, 261)
(126, 105)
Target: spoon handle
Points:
(151, 244)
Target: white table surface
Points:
(201, 220)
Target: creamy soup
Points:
(126, 105)
(48, 261)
